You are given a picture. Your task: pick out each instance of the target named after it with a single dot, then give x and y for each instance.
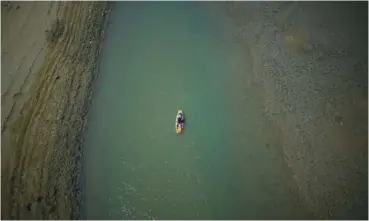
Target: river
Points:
(227, 164)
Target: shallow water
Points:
(227, 164)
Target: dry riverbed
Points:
(50, 56)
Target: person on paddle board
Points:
(179, 119)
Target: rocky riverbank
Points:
(310, 63)
(50, 57)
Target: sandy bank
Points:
(49, 59)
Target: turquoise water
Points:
(227, 164)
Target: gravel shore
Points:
(310, 62)
(45, 96)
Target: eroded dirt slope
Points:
(49, 59)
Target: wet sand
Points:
(49, 59)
